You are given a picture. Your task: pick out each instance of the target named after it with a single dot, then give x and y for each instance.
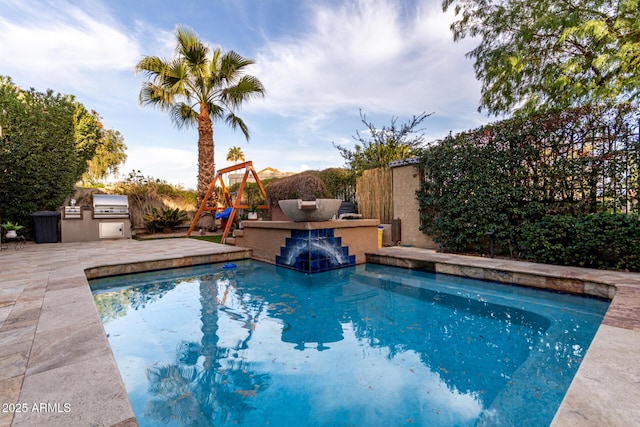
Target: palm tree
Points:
(197, 90)
(235, 154)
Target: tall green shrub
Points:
(340, 183)
(601, 240)
(498, 177)
(46, 142)
(38, 157)
(550, 239)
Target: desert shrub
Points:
(306, 186)
(146, 193)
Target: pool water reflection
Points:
(367, 345)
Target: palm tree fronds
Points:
(236, 122)
(183, 115)
(152, 94)
(231, 65)
(248, 87)
(235, 154)
(150, 66)
(176, 78)
(192, 53)
(190, 47)
(216, 112)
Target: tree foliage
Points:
(252, 195)
(554, 54)
(87, 132)
(235, 155)
(197, 89)
(340, 183)
(45, 142)
(383, 145)
(109, 155)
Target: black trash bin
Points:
(45, 226)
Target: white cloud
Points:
(369, 54)
(67, 47)
(381, 56)
(156, 40)
(163, 162)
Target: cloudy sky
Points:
(321, 62)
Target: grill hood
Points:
(110, 206)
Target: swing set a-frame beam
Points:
(235, 205)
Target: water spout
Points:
(307, 204)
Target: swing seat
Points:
(224, 214)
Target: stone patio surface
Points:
(57, 369)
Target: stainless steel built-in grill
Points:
(72, 212)
(110, 206)
(108, 218)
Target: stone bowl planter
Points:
(299, 210)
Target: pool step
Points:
(232, 240)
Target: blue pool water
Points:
(260, 345)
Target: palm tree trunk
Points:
(206, 164)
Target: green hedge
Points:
(499, 177)
(46, 140)
(601, 240)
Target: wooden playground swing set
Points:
(235, 203)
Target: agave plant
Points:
(165, 218)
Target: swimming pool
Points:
(367, 345)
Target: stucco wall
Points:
(87, 229)
(267, 237)
(405, 207)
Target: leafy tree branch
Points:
(379, 146)
(551, 54)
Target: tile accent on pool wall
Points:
(313, 251)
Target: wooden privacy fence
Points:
(374, 190)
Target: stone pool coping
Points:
(53, 349)
(606, 388)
